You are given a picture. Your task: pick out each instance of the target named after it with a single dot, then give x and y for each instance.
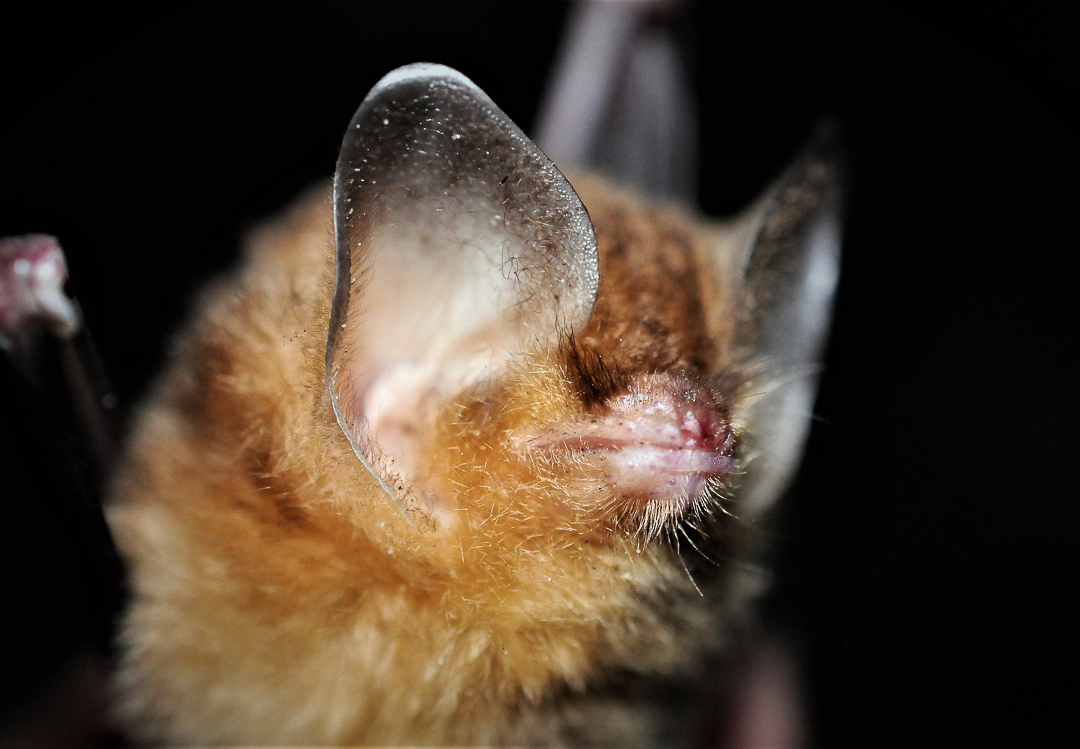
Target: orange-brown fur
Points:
(280, 596)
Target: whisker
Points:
(704, 556)
(685, 568)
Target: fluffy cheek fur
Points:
(485, 454)
(280, 596)
(239, 615)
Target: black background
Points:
(927, 565)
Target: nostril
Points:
(680, 404)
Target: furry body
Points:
(280, 597)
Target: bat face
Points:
(479, 469)
(471, 278)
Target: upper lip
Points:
(691, 438)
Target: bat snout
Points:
(657, 453)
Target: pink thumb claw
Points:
(32, 275)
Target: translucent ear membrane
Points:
(793, 263)
(459, 245)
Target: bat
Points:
(947, 567)
(465, 452)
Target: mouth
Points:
(666, 439)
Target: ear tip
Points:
(419, 71)
(827, 150)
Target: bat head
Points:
(495, 351)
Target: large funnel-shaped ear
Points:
(458, 244)
(785, 260)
